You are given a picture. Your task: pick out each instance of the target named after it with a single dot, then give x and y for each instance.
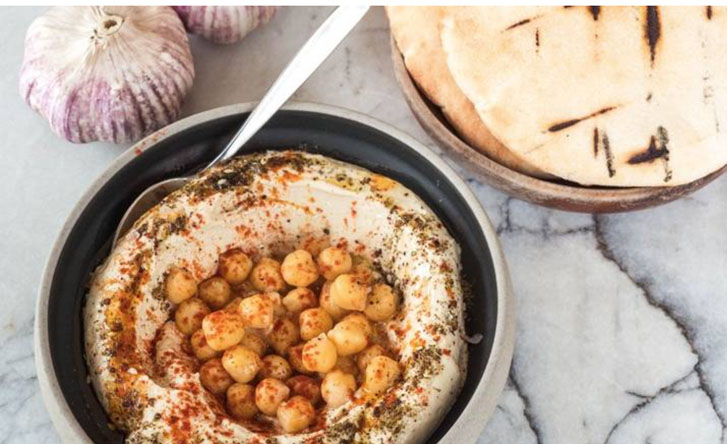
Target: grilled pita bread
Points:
(615, 96)
(416, 31)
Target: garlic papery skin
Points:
(224, 24)
(113, 73)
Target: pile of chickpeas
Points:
(324, 348)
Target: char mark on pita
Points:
(607, 151)
(595, 142)
(568, 123)
(652, 30)
(657, 149)
(708, 12)
(521, 23)
(595, 11)
(707, 90)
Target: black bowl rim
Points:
(484, 399)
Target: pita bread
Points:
(416, 32)
(616, 96)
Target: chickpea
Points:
(299, 269)
(319, 354)
(283, 336)
(241, 363)
(349, 337)
(337, 388)
(295, 357)
(336, 312)
(233, 305)
(234, 266)
(277, 367)
(189, 315)
(381, 303)
(313, 322)
(266, 275)
(244, 290)
(363, 273)
(380, 374)
(314, 244)
(362, 321)
(347, 364)
(214, 377)
(306, 387)
(179, 285)
(348, 293)
(215, 291)
(241, 401)
(334, 261)
(257, 311)
(269, 393)
(200, 348)
(277, 302)
(364, 358)
(255, 343)
(223, 329)
(299, 299)
(295, 414)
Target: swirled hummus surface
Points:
(268, 205)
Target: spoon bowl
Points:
(146, 200)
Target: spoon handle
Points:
(318, 47)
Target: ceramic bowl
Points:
(559, 194)
(189, 144)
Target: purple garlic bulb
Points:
(224, 24)
(112, 73)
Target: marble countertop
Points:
(622, 319)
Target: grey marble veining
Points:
(622, 319)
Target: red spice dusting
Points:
(447, 352)
(390, 399)
(244, 230)
(290, 177)
(138, 151)
(417, 343)
(400, 332)
(197, 269)
(197, 220)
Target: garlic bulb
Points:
(224, 24)
(111, 73)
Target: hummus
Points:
(268, 205)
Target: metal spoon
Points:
(318, 47)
